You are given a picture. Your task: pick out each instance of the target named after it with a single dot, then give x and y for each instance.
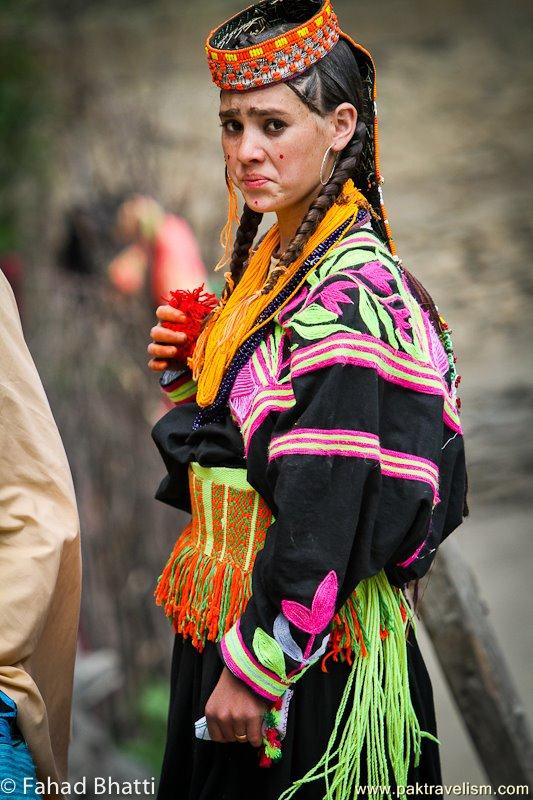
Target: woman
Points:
(318, 430)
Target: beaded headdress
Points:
(311, 30)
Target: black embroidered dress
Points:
(323, 481)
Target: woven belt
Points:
(206, 582)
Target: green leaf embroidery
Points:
(315, 322)
(269, 653)
(314, 314)
(334, 263)
(412, 349)
(315, 332)
(368, 315)
(387, 322)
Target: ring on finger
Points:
(241, 737)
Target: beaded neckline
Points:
(216, 411)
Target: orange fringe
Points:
(201, 596)
(204, 597)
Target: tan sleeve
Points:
(39, 553)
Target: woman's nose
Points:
(250, 148)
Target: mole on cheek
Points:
(281, 155)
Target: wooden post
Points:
(457, 622)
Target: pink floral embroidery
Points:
(376, 273)
(322, 609)
(332, 295)
(243, 391)
(401, 316)
(257, 389)
(439, 359)
(286, 311)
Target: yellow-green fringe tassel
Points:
(381, 712)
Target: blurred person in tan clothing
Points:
(40, 563)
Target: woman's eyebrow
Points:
(253, 112)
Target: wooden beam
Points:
(457, 621)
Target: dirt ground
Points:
(454, 101)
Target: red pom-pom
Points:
(196, 305)
(272, 736)
(264, 760)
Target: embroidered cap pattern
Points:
(275, 59)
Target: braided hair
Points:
(244, 238)
(333, 80)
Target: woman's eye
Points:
(231, 126)
(275, 125)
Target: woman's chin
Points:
(261, 202)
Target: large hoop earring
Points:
(326, 154)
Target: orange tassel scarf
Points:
(233, 322)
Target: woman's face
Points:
(274, 145)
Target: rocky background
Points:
(103, 99)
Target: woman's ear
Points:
(343, 120)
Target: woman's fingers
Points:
(166, 335)
(233, 709)
(158, 364)
(254, 732)
(162, 350)
(220, 729)
(165, 342)
(225, 728)
(169, 314)
(214, 731)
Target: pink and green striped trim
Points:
(243, 665)
(181, 390)
(360, 349)
(357, 444)
(272, 398)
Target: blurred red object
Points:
(176, 258)
(161, 251)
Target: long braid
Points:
(330, 193)
(244, 238)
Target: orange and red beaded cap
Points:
(279, 40)
(275, 59)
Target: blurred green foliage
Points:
(152, 709)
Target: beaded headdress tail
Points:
(243, 54)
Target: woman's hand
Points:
(233, 709)
(163, 347)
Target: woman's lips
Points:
(255, 181)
